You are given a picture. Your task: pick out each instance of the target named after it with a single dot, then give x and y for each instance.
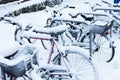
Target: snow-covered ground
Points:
(16, 5)
(106, 71)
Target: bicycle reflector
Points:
(106, 33)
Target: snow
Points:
(100, 23)
(53, 67)
(7, 62)
(7, 39)
(34, 75)
(106, 71)
(54, 30)
(34, 18)
(11, 7)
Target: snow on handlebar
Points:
(12, 21)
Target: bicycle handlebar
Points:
(66, 20)
(11, 21)
(89, 13)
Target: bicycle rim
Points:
(80, 67)
(105, 51)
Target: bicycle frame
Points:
(67, 68)
(53, 45)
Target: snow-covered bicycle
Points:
(64, 62)
(102, 43)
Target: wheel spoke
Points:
(80, 67)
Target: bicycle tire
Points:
(24, 77)
(106, 51)
(107, 57)
(83, 67)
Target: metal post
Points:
(91, 44)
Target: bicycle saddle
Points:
(19, 63)
(100, 27)
(57, 30)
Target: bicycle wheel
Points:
(101, 46)
(80, 67)
(104, 48)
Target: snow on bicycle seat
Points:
(57, 30)
(19, 63)
(99, 27)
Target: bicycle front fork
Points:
(2, 74)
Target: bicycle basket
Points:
(22, 62)
(16, 70)
(100, 27)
